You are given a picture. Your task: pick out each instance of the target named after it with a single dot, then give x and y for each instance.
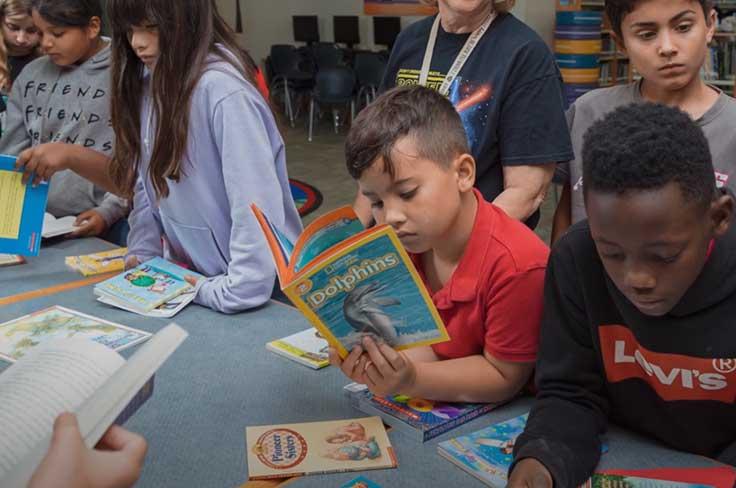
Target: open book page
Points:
(53, 227)
(51, 379)
(110, 398)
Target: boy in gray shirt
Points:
(63, 98)
(667, 43)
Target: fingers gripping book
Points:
(351, 282)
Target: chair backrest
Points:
(370, 68)
(334, 85)
(284, 59)
(327, 55)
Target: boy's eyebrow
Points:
(399, 182)
(672, 20)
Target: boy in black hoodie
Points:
(639, 304)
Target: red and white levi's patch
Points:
(673, 376)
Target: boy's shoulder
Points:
(597, 103)
(512, 246)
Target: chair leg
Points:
(336, 119)
(311, 118)
(289, 108)
(352, 110)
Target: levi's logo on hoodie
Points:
(673, 377)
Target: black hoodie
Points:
(672, 378)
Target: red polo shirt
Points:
(493, 301)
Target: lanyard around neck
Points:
(462, 57)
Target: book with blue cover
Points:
(420, 419)
(147, 286)
(22, 209)
(352, 282)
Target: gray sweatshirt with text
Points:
(49, 103)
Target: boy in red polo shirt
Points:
(485, 271)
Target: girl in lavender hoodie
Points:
(196, 144)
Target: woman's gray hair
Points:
(498, 5)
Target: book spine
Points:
(138, 400)
(463, 419)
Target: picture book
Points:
(487, 453)
(98, 263)
(147, 286)
(715, 476)
(11, 260)
(278, 451)
(351, 282)
(75, 375)
(420, 419)
(306, 347)
(600, 480)
(54, 227)
(163, 311)
(22, 208)
(19, 336)
(361, 482)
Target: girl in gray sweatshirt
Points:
(62, 98)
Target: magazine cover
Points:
(21, 211)
(20, 335)
(277, 451)
(369, 287)
(148, 285)
(352, 282)
(421, 419)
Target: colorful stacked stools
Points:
(578, 46)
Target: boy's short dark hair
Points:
(616, 10)
(415, 111)
(645, 146)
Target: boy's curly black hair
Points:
(616, 10)
(645, 146)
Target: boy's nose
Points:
(394, 217)
(667, 48)
(640, 281)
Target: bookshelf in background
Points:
(612, 65)
(720, 66)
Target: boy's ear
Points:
(721, 214)
(464, 167)
(711, 21)
(94, 27)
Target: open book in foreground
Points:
(351, 282)
(75, 375)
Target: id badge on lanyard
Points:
(462, 57)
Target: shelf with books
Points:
(720, 66)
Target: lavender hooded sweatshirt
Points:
(235, 157)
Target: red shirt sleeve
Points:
(514, 315)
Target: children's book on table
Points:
(352, 282)
(98, 263)
(19, 336)
(76, 375)
(306, 347)
(11, 260)
(22, 208)
(420, 419)
(156, 288)
(278, 451)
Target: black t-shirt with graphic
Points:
(509, 95)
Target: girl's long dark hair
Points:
(189, 30)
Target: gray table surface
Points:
(223, 379)
(48, 268)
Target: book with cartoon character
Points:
(147, 286)
(421, 419)
(278, 451)
(351, 282)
